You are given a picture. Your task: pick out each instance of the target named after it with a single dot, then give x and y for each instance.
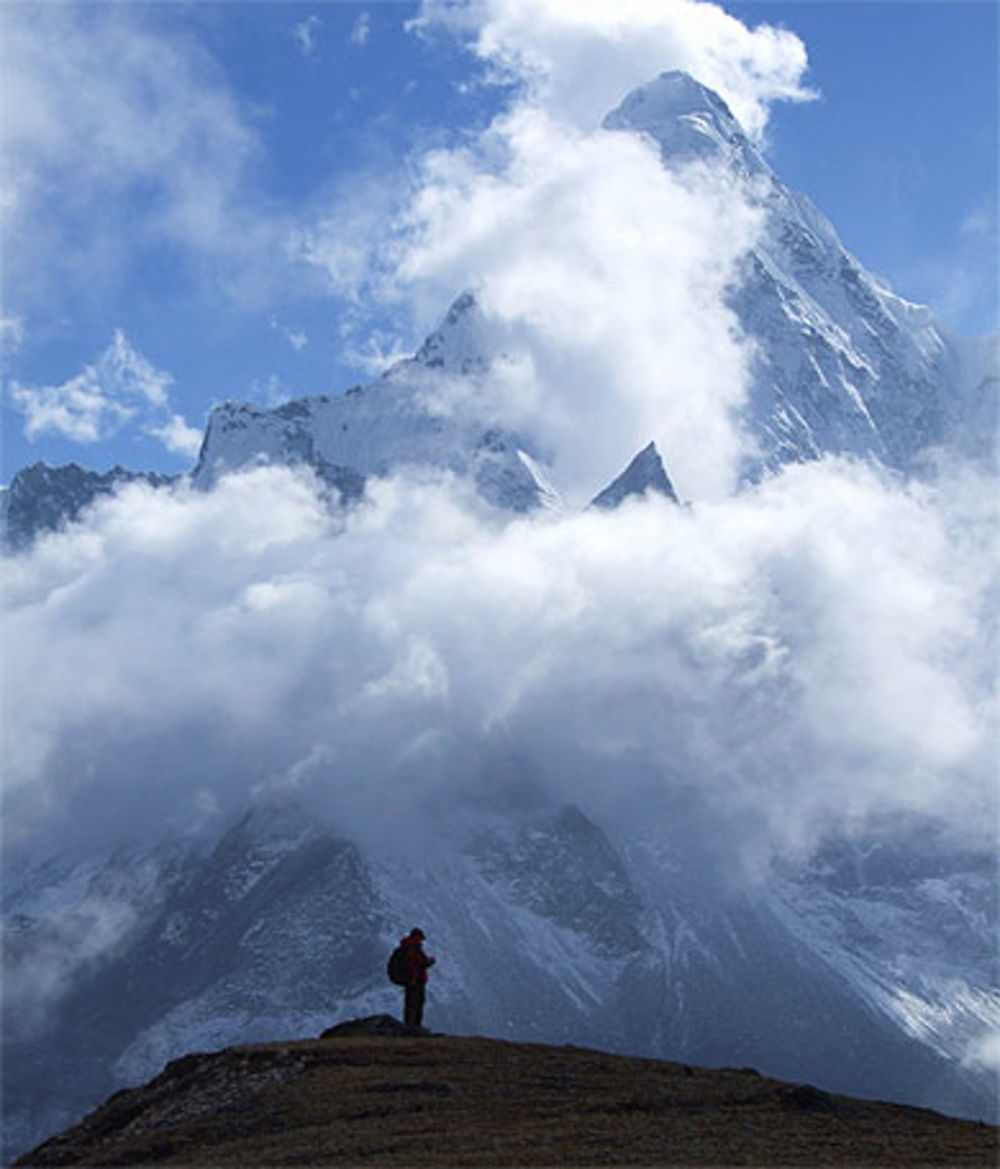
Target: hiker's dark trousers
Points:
(413, 1014)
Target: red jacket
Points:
(417, 961)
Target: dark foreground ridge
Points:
(370, 1092)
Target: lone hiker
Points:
(408, 968)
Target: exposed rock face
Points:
(544, 929)
(644, 474)
(43, 499)
(367, 1095)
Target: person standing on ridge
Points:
(417, 965)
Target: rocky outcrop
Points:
(43, 499)
(644, 475)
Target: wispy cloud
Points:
(12, 334)
(126, 137)
(961, 284)
(177, 436)
(361, 30)
(305, 34)
(297, 338)
(119, 389)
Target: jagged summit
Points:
(689, 121)
(644, 474)
(41, 498)
(458, 345)
(842, 364)
(406, 418)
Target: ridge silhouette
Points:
(370, 1091)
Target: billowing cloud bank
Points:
(795, 659)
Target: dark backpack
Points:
(398, 968)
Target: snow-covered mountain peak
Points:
(459, 345)
(425, 411)
(689, 122)
(842, 365)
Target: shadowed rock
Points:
(644, 474)
(374, 1025)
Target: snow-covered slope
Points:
(399, 421)
(543, 927)
(844, 366)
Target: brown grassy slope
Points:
(369, 1095)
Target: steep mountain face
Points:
(42, 499)
(844, 366)
(396, 422)
(544, 928)
(644, 474)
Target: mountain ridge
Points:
(371, 1092)
(842, 365)
(626, 942)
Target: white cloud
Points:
(605, 278)
(980, 223)
(965, 279)
(177, 436)
(984, 1052)
(119, 388)
(362, 29)
(580, 57)
(377, 353)
(800, 656)
(305, 34)
(125, 137)
(97, 402)
(297, 338)
(11, 334)
(602, 276)
(270, 391)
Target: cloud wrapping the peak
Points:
(580, 57)
(602, 277)
(793, 660)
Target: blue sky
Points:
(192, 190)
